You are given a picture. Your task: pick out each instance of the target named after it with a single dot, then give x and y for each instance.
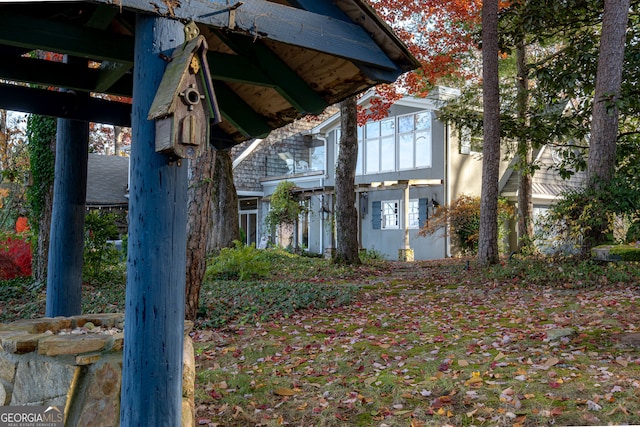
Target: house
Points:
(408, 164)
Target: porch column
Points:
(66, 244)
(405, 253)
(156, 266)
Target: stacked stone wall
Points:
(75, 363)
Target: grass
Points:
(393, 344)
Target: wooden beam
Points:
(26, 32)
(64, 266)
(108, 76)
(151, 392)
(64, 104)
(288, 84)
(261, 18)
(235, 68)
(61, 75)
(240, 114)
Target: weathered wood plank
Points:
(64, 104)
(264, 19)
(31, 33)
(156, 266)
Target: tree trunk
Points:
(525, 153)
(604, 122)
(226, 225)
(488, 238)
(198, 226)
(117, 139)
(346, 215)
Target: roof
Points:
(107, 181)
(271, 61)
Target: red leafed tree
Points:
(440, 34)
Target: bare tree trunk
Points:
(604, 122)
(525, 152)
(346, 215)
(488, 238)
(226, 224)
(117, 139)
(198, 227)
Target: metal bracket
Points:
(191, 31)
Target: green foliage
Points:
(224, 302)
(625, 252)
(580, 212)
(98, 254)
(371, 255)
(285, 207)
(240, 263)
(462, 219)
(41, 131)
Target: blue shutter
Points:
(376, 215)
(422, 212)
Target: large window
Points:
(393, 144)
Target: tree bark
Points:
(604, 121)
(488, 238)
(346, 214)
(226, 225)
(198, 226)
(525, 152)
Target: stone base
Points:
(82, 373)
(405, 255)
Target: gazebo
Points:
(254, 65)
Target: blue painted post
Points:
(66, 245)
(156, 268)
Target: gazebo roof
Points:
(271, 61)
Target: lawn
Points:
(525, 343)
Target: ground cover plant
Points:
(529, 342)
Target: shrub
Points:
(239, 263)
(98, 253)
(462, 219)
(15, 258)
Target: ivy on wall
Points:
(41, 130)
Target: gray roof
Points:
(107, 181)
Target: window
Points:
(414, 214)
(248, 213)
(469, 141)
(393, 144)
(390, 215)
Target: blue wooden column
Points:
(156, 267)
(64, 266)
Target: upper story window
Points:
(469, 142)
(393, 144)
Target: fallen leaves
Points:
(409, 352)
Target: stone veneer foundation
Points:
(42, 363)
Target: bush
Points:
(239, 263)
(462, 219)
(98, 253)
(15, 258)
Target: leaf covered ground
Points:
(433, 343)
(529, 342)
